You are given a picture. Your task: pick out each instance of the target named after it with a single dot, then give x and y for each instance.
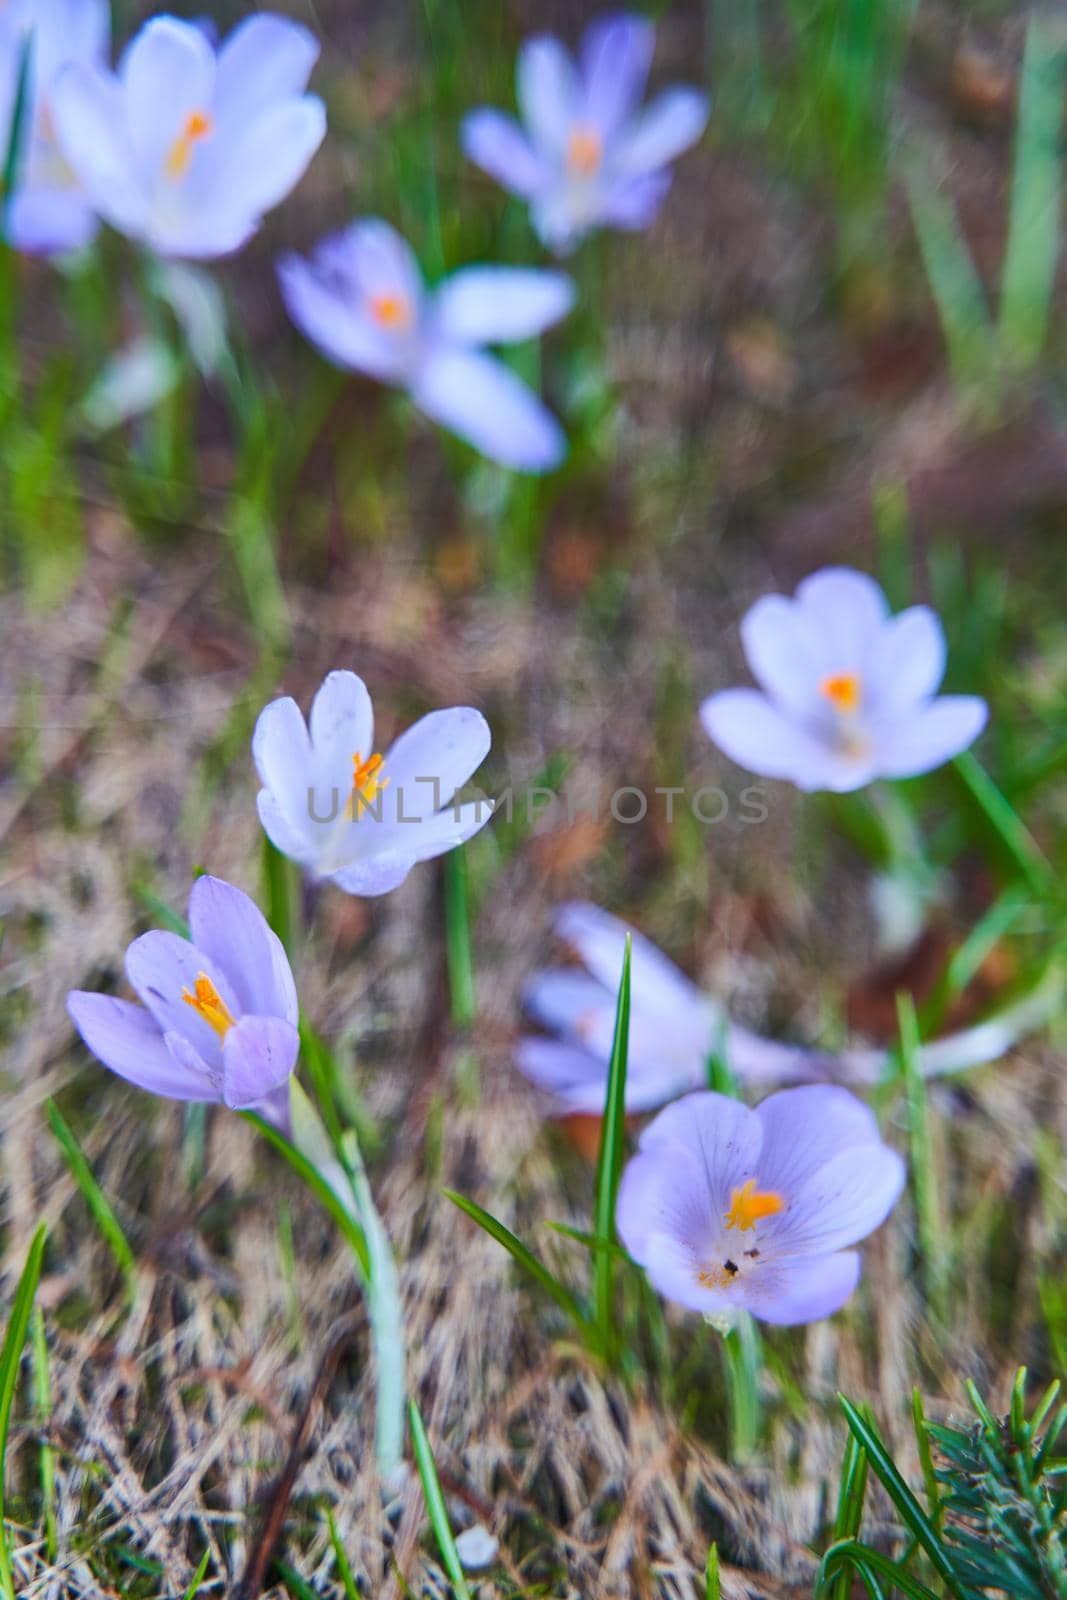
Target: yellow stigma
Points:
(842, 689)
(198, 125)
(391, 311)
(207, 1001)
(365, 784)
(585, 151)
(749, 1205)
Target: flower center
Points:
(391, 311)
(366, 784)
(843, 690)
(749, 1205)
(198, 125)
(209, 1004)
(585, 151)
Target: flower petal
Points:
(906, 661)
(127, 1039)
(281, 750)
(633, 203)
(805, 1128)
(665, 1192)
(483, 401)
(266, 59)
(50, 221)
(932, 736)
(549, 92)
(382, 261)
(838, 1204)
(498, 145)
(615, 56)
(342, 726)
(752, 731)
(258, 1054)
(167, 73)
(600, 939)
(334, 321)
(780, 654)
(563, 999)
(670, 124)
(499, 305)
(570, 1074)
(431, 760)
(792, 1292)
(230, 928)
(159, 966)
(375, 874)
(722, 1139)
(259, 169)
(283, 834)
(842, 611)
(89, 118)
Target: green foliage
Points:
(10, 1362)
(996, 1514)
(435, 1503)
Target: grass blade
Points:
(923, 1164)
(100, 1207)
(954, 282)
(526, 1259)
(458, 955)
(712, 1583)
(386, 1319)
(908, 1508)
(1034, 216)
(42, 1399)
(850, 1555)
(1009, 831)
(340, 1555)
(609, 1165)
(10, 1361)
(435, 1503)
(926, 1461)
(198, 1576)
(319, 1186)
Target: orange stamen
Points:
(749, 1205)
(365, 783)
(198, 125)
(209, 1004)
(391, 311)
(585, 151)
(842, 689)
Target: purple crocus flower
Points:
(361, 300)
(185, 148)
(345, 812)
(49, 211)
(588, 155)
(675, 1027)
(848, 693)
(218, 1014)
(730, 1209)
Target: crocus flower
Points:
(675, 1028)
(361, 300)
(186, 148)
(334, 804)
(848, 693)
(218, 1014)
(730, 1209)
(48, 211)
(588, 155)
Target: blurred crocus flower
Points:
(185, 148)
(332, 803)
(361, 300)
(675, 1028)
(48, 211)
(588, 154)
(218, 1014)
(848, 693)
(730, 1209)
